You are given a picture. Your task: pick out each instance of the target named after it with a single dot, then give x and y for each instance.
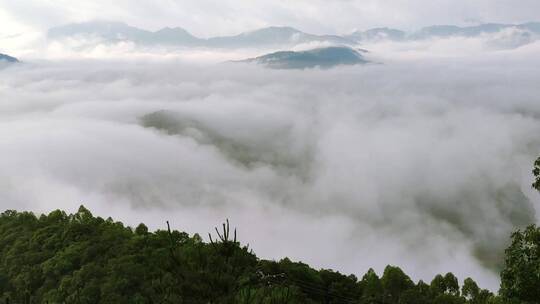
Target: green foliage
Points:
(79, 258)
(470, 289)
(394, 283)
(372, 287)
(520, 279)
(474, 294)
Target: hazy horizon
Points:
(207, 18)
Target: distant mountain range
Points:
(471, 31)
(321, 57)
(110, 32)
(115, 32)
(6, 58)
(444, 31)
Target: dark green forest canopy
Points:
(80, 258)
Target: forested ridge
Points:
(80, 258)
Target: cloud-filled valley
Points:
(418, 161)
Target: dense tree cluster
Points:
(520, 280)
(80, 258)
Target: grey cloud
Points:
(422, 165)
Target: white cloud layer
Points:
(420, 162)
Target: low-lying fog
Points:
(422, 161)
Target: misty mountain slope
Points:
(492, 35)
(110, 32)
(495, 34)
(248, 149)
(106, 30)
(321, 57)
(452, 30)
(7, 59)
(173, 36)
(273, 37)
(471, 31)
(508, 201)
(377, 34)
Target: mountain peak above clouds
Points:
(7, 58)
(326, 57)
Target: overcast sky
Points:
(211, 17)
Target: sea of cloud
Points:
(423, 161)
